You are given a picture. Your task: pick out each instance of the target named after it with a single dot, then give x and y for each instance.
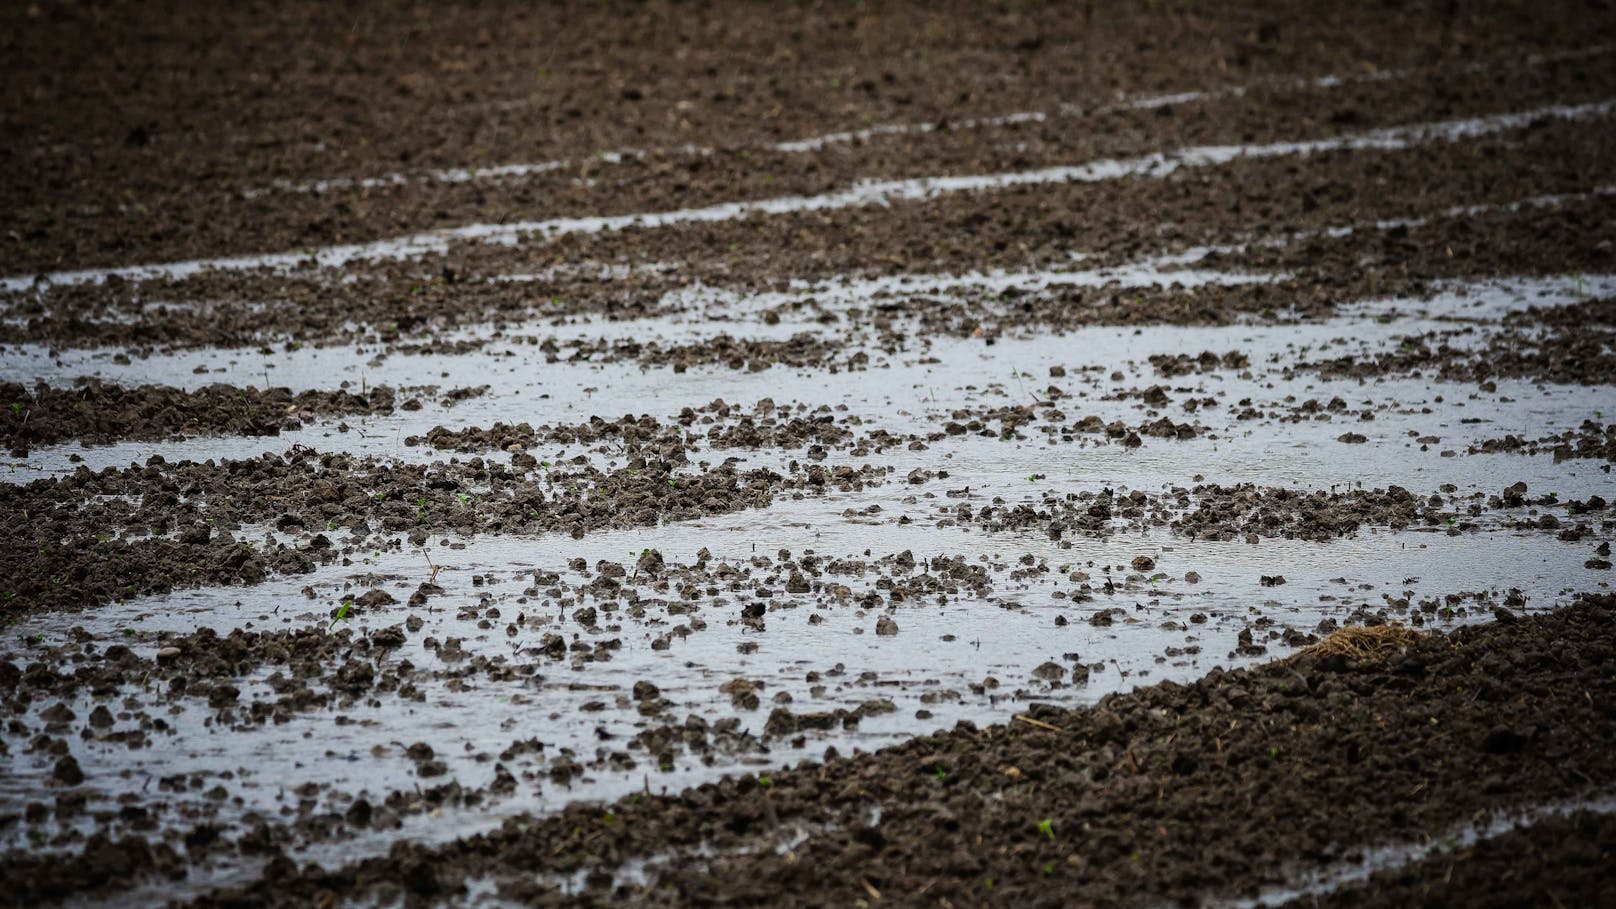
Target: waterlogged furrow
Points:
(1032, 533)
(884, 192)
(855, 136)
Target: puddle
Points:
(925, 672)
(918, 391)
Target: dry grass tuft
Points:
(1365, 642)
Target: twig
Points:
(1039, 723)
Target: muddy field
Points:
(816, 454)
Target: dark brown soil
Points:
(1590, 440)
(1561, 861)
(1218, 512)
(141, 134)
(1574, 344)
(94, 537)
(98, 413)
(1171, 793)
(407, 304)
(206, 105)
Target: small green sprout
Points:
(1047, 828)
(342, 614)
(941, 773)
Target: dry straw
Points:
(1365, 642)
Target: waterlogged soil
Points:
(91, 537)
(812, 455)
(1134, 801)
(218, 160)
(1590, 440)
(1573, 344)
(1110, 223)
(1560, 861)
(95, 412)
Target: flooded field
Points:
(1004, 456)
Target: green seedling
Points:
(1047, 828)
(765, 782)
(941, 773)
(342, 614)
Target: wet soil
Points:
(1590, 440)
(806, 455)
(197, 152)
(1573, 344)
(1110, 223)
(94, 537)
(1554, 862)
(98, 413)
(1132, 801)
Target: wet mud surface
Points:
(1562, 861)
(99, 413)
(365, 140)
(808, 455)
(1234, 767)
